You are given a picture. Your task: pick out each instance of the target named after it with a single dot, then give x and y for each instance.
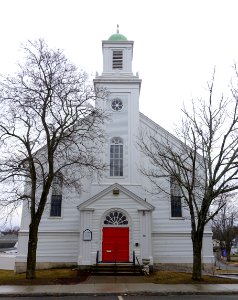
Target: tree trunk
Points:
(228, 252)
(197, 258)
(32, 246)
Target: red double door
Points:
(115, 244)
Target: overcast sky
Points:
(177, 43)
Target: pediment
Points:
(112, 189)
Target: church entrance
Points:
(115, 244)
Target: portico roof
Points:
(116, 186)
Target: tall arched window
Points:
(116, 157)
(56, 197)
(175, 192)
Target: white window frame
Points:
(116, 157)
(175, 199)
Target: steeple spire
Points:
(117, 28)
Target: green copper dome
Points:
(117, 37)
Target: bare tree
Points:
(224, 227)
(49, 125)
(202, 161)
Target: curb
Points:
(46, 294)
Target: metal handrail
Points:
(97, 258)
(141, 269)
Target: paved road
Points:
(131, 297)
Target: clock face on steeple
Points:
(117, 104)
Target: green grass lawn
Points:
(170, 277)
(234, 258)
(52, 276)
(72, 276)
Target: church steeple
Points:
(123, 107)
(117, 55)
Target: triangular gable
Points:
(152, 125)
(143, 203)
(160, 131)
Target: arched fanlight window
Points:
(116, 140)
(115, 218)
(116, 157)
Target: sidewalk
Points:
(117, 286)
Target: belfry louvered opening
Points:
(117, 59)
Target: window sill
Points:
(52, 217)
(177, 218)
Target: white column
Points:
(145, 235)
(85, 246)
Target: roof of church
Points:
(117, 36)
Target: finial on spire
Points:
(117, 28)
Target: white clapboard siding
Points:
(52, 247)
(172, 248)
(153, 233)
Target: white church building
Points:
(116, 218)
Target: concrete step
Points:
(116, 269)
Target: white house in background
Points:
(116, 218)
